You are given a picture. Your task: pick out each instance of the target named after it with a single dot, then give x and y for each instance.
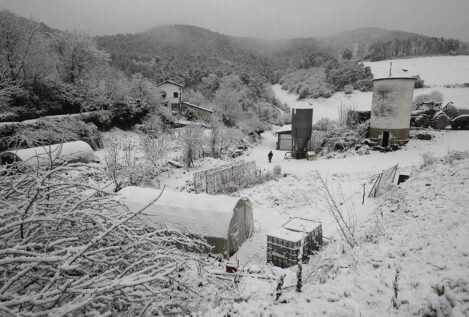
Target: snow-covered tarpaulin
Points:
(226, 222)
(71, 152)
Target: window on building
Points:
(174, 106)
(176, 94)
(163, 94)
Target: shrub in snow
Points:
(191, 141)
(419, 83)
(47, 131)
(277, 170)
(342, 211)
(455, 156)
(343, 139)
(428, 159)
(348, 89)
(71, 249)
(125, 168)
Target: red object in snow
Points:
(231, 267)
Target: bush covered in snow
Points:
(47, 131)
(344, 138)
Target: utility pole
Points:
(390, 69)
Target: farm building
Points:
(201, 113)
(284, 138)
(391, 107)
(70, 152)
(171, 94)
(225, 222)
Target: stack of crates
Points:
(283, 244)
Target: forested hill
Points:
(185, 54)
(188, 53)
(378, 44)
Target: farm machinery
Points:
(432, 114)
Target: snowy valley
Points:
(183, 172)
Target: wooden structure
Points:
(284, 138)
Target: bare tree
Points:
(68, 248)
(76, 52)
(23, 48)
(8, 88)
(191, 140)
(342, 212)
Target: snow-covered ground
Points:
(299, 194)
(412, 259)
(329, 108)
(435, 70)
(415, 229)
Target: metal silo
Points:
(390, 110)
(302, 122)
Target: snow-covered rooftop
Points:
(285, 234)
(195, 106)
(170, 82)
(285, 128)
(300, 224)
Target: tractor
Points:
(432, 114)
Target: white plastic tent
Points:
(76, 151)
(226, 222)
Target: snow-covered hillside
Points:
(435, 71)
(412, 258)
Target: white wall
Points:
(392, 103)
(170, 89)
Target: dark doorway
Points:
(385, 142)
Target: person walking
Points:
(270, 156)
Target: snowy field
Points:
(413, 259)
(435, 71)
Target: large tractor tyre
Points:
(421, 122)
(451, 110)
(441, 122)
(455, 126)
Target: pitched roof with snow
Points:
(170, 82)
(285, 128)
(195, 106)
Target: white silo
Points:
(390, 109)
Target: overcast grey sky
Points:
(256, 18)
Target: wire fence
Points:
(226, 178)
(384, 179)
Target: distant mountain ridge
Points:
(189, 53)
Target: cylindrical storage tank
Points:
(390, 109)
